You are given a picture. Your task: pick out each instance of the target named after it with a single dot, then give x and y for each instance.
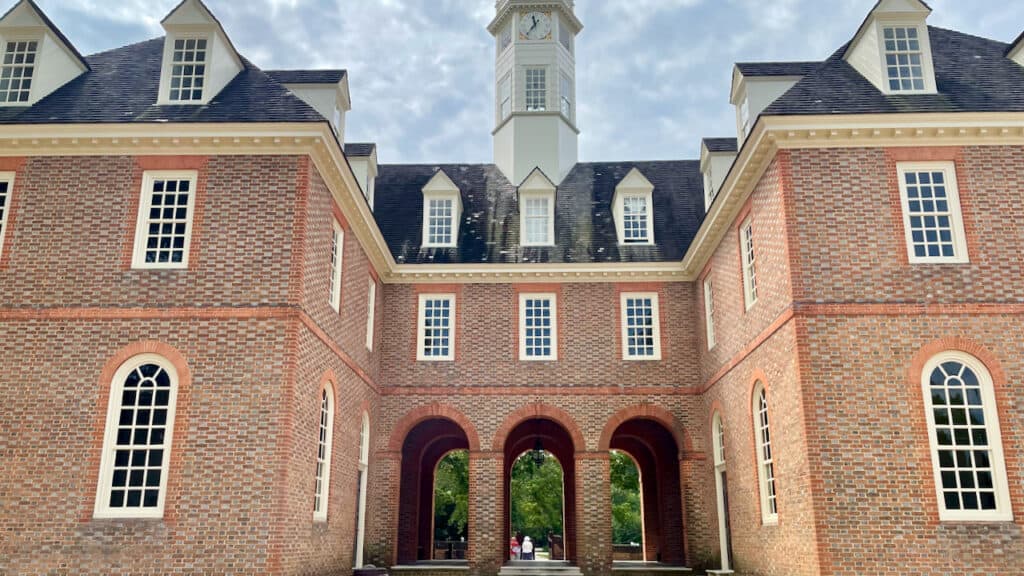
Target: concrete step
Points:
(539, 568)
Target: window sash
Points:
(440, 222)
(636, 219)
(371, 312)
(505, 93)
(749, 263)
(765, 457)
(337, 266)
(538, 221)
(536, 89)
(189, 67)
(164, 228)
(538, 327)
(932, 217)
(709, 313)
(904, 58)
(321, 497)
(6, 199)
(641, 326)
(719, 441)
(566, 94)
(436, 328)
(17, 72)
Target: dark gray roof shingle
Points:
(584, 228)
(755, 69)
(358, 149)
(721, 144)
(306, 76)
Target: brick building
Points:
(234, 343)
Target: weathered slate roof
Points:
(306, 76)
(359, 149)
(584, 228)
(777, 68)
(721, 144)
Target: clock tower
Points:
(535, 88)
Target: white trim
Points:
(655, 326)
(421, 328)
(709, 312)
(1003, 511)
(143, 220)
(552, 300)
(748, 254)
(549, 198)
(35, 77)
(5, 207)
(364, 468)
(371, 312)
(718, 444)
(102, 509)
(959, 236)
(924, 41)
(322, 487)
(167, 67)
(337, 266)
(454, 218)
(765, 437)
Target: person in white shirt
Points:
(527, 548)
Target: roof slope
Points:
(357, 149)
(721, 144)
(306, 76)
(777, 68)
(584, 228)
(972, 75)
(123, 86)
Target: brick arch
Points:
(433, 410)
(328, 378)
(957, 344)
(543, 412)
(646, 412)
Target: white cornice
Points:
(536, 273)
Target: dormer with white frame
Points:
(716, 158)
(633, 210)
(1016, 50)
(892, 48)
(199, 59)
(37, 58)
(537, 210)
(756, 85)
(363, 160)
(326, 91)
(442, 212)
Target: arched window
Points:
(765, 456)
(722, 491)
(719, 440)
(364, 464)
(137, 439)
(963, 428)
(323, 454)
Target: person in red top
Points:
(513, 548)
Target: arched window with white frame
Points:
(721, 491)
(137, 439)
(323, 454)
(765, 456)
(364, 464)
(966, 446)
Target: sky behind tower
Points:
(653, 76)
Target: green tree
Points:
(536, 495)
(627, 525)
(451, 497)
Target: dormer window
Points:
(745, 116)
(188, 72)
(634, 209)
(903, 58)
(538, 219)
(442, 207)
(18, 70)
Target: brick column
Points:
(382, 508)
(593, 513)
(486, 552)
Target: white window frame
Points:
(745, 116)
(718, 445)
(565, 95)
(102, 508)
(529, 92)
(927, 66)
(656, 326)
(371, 312)
(5, 207)
(169, 68)
(322, 486)
(1004, 508)
(749, 262)
(337, 265)
(709, 188)
(553, 303)
(15, 39)
(764, 436)
(455, 218)
(620, 220)
(505, 98)
(364, 467)
(142, 221)
(421, 328)
(524, 218)
(709, 312)
(959, 240)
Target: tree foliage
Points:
(451, 497)
(627, 525)
(537, 497)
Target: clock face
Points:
(535, 26)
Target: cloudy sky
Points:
(653, 75)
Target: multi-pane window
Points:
(337, 263)
(436, 325)
(709, 189)
(18, 70)
(745, 116)
(536, 89)
(970, 474)
(765, 456)
(903, 59)
(636, 219)
(537, 221)
(137, 443)
(564, 36)
(931, 213)
(709, 312)
(749, 263)
(538, 327)
(323, 454)
(164, 228)
(641, 331)
(566, 96)
(6, 182)
(719, 440)
(440, 222)
(371, 312)
(188, 69)
(364, 465)
(505, 97)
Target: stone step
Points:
(539, 568)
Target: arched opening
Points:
(627, 508)
(424, 447)
(528, 439)
(537, 500)
(451, 506)
(656, 454)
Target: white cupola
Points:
(535, 88)
(892, 48)
(37, 58)
(199, 59)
